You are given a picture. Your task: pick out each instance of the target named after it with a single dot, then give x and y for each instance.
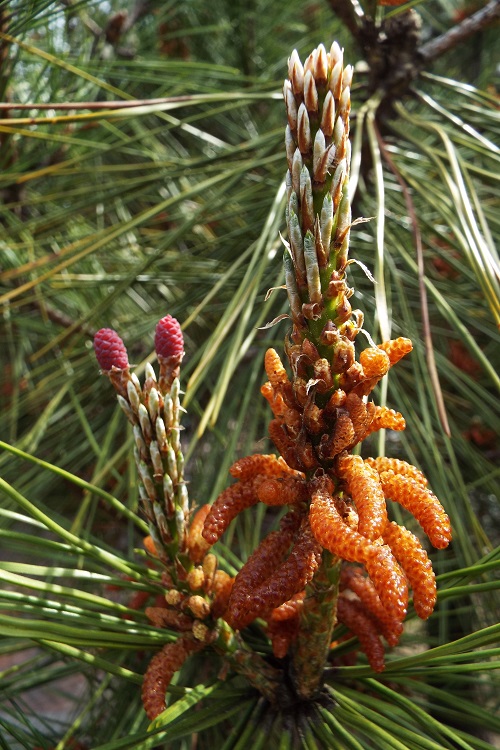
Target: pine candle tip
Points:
(169, 341)
(110, 350)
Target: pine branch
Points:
(350, 13)
(461, 32)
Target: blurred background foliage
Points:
(114, 216)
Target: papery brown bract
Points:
(284, 444)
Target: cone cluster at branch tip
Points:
(336, 556)
(197, 592)
(153, 409)
(337, 501)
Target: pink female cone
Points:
(112, 357)
(169, 346)
(110, 350)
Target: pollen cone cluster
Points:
(337, 511)
(191, 608)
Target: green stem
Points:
(310, 650)
(261, 675)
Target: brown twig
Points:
(417, 238)
(140, 9)
(460, 32)
(350, 13)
